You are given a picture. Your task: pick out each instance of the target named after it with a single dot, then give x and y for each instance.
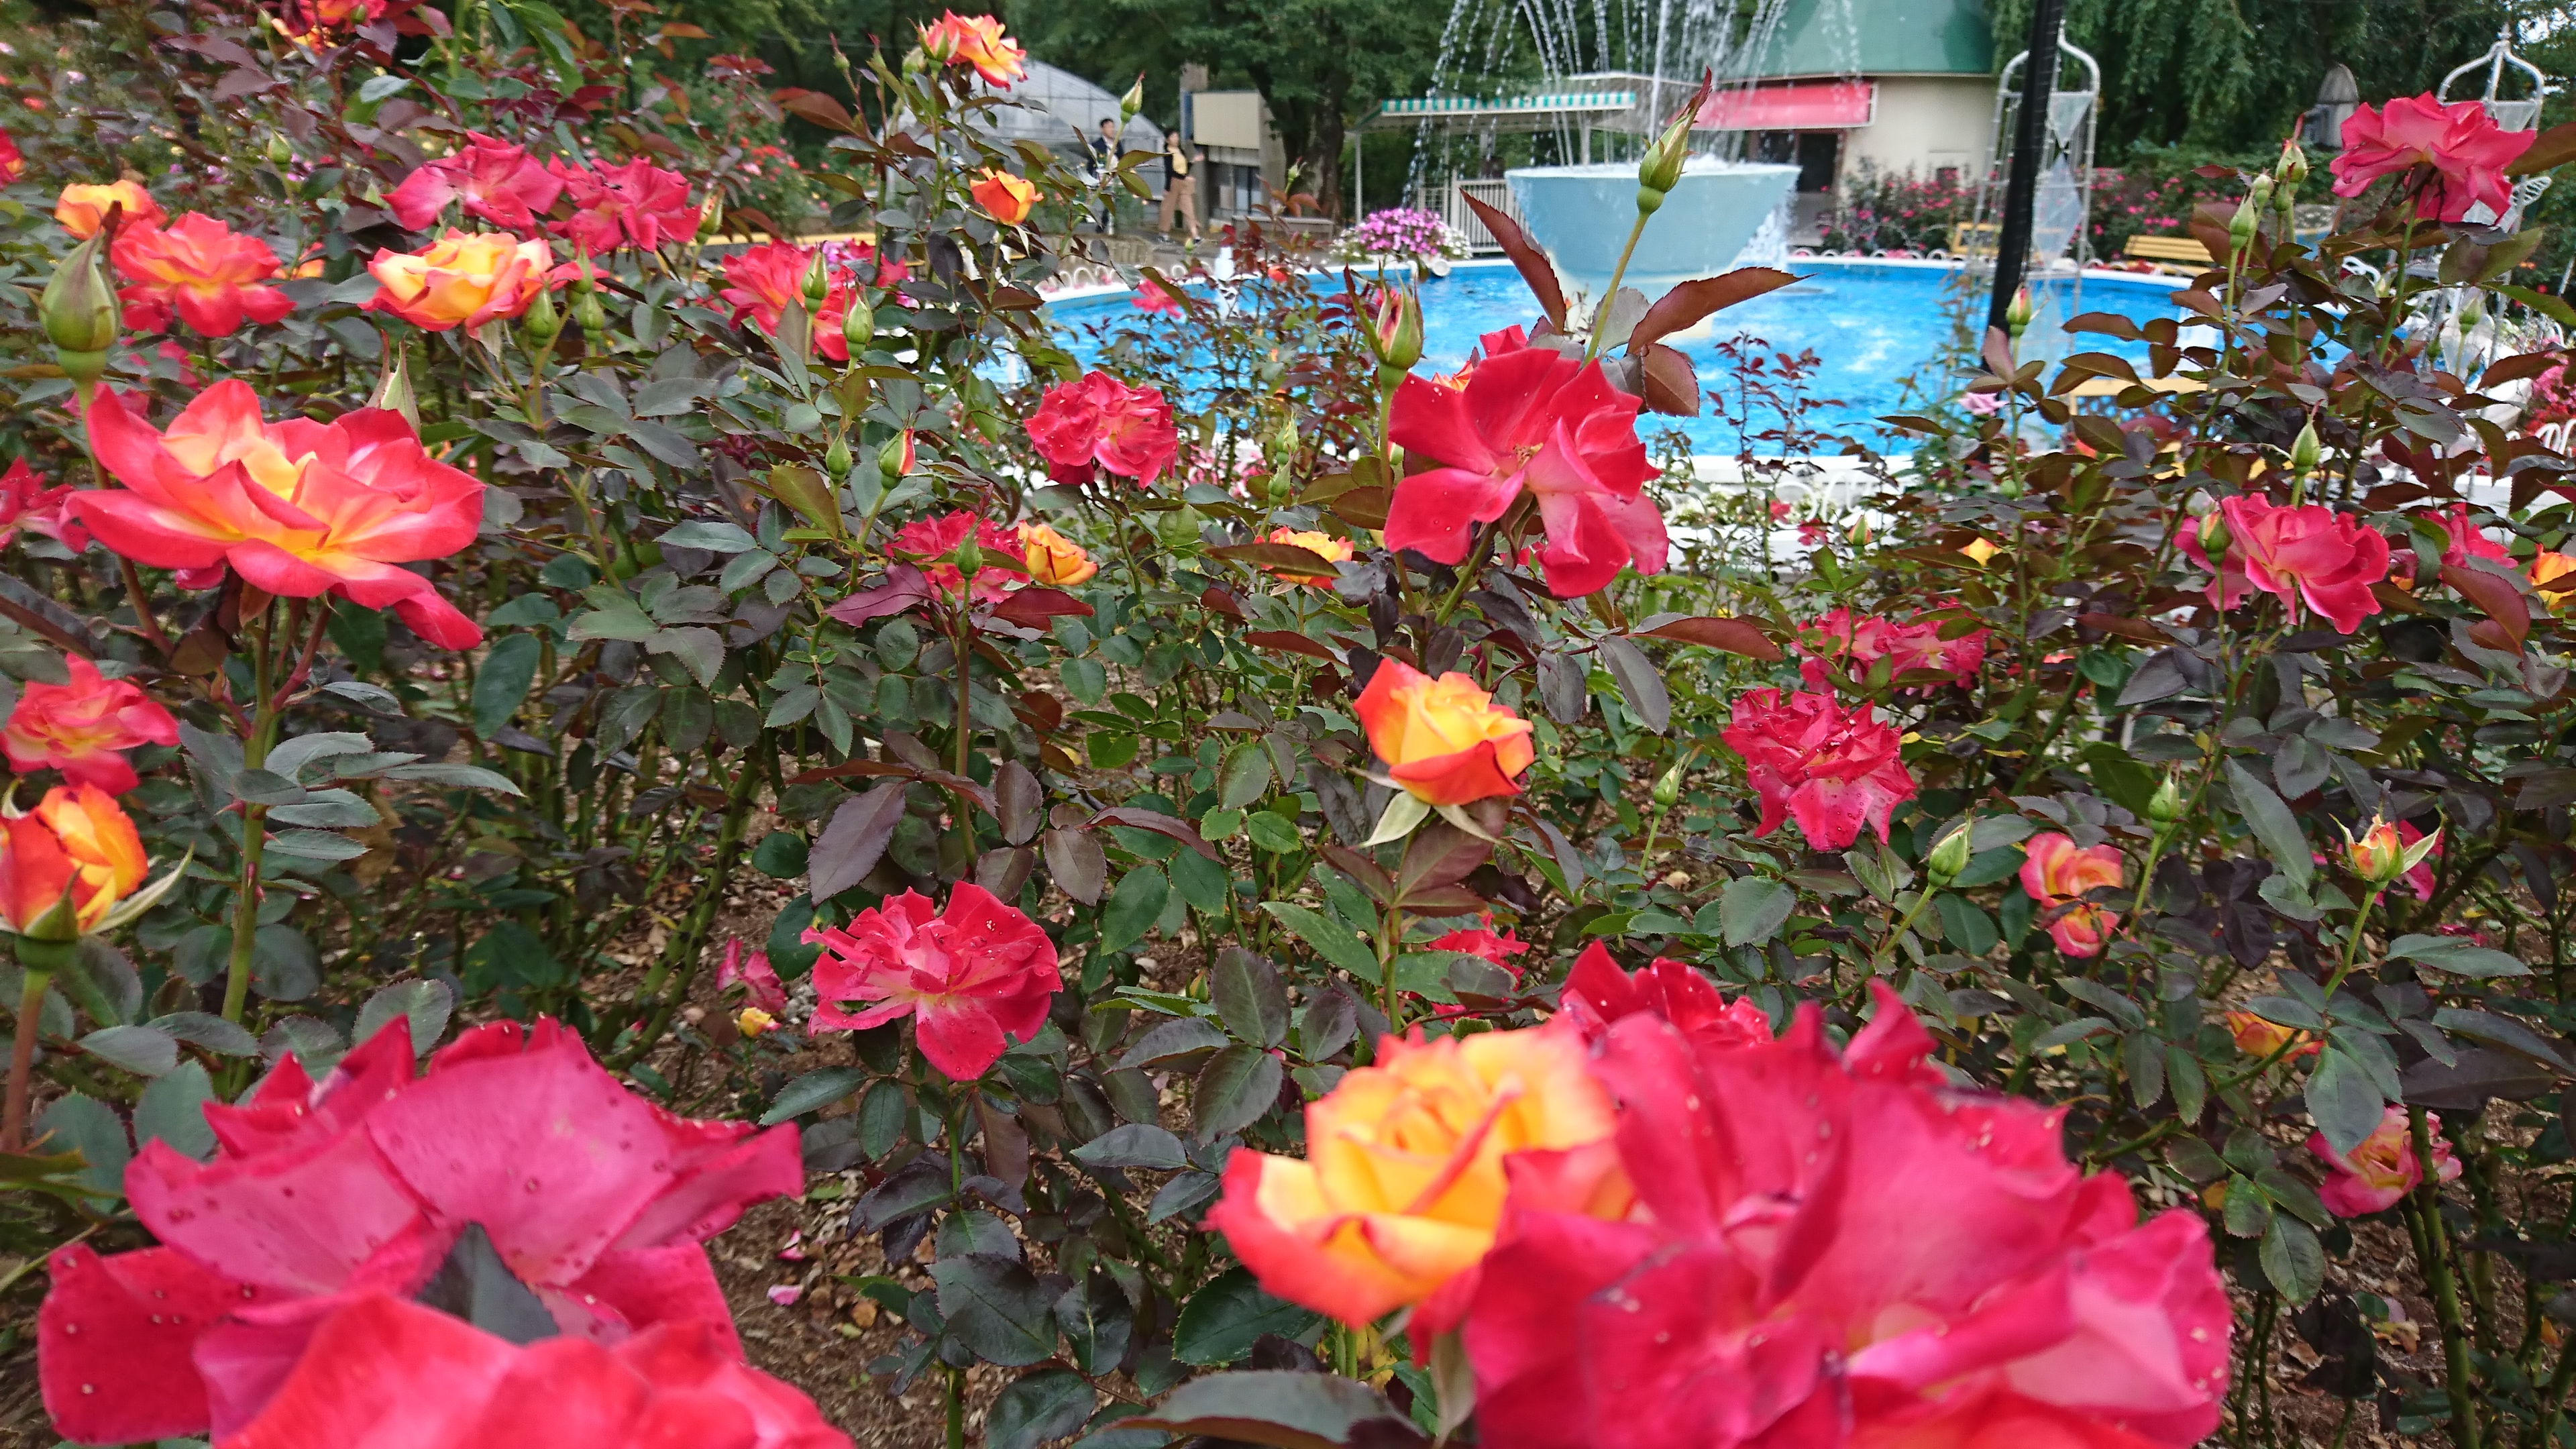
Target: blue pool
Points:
(1870, 324)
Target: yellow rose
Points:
(1403, 1183)
(1054, 558)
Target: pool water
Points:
(1870, 324)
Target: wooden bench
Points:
(2169, 253)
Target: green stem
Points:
(2433, 1249)
(263, 728)
(956, 1396)
(688, 944)
(22, 1059)
(1609, 294)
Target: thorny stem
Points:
(22, 1058)
(2433, 1249)
(263, 729)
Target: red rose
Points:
(1528, 420)
(385, 1371)
(298, 508)
(1102, 422)
(498, 182)
(1837, 1248)
(2462, 147)
(83, 727)
(1808, 757)
(594, 1198)
(2308, 554)
(638, 203)
(971, 978)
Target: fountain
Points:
(1592, 82)
(1709, 222)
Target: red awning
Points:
(1799, 106)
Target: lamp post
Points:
(2030, 153)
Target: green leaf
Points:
(502, 682)
(1087, 680)
(813, 1090)
(1245, 776)
(699, 650)
(1133, 907)
(996, 1307)
(1752, 910)
(1235, 1089)
(2343, 1100)
(1250, 997)
(426, 1003)
(2293, 1258)
(474, 1284)
(1202, 882)
(1221, 1321)
(173, 1110)
(1277, 1407)
(1038, 1407)
(1336, 943)
(781, 855)
(1273, 834)
(2272, 824)
(1097, 1319)
(2456, 956)
(77, 1123)
(1134, 1144)
(137, 1049)
(713, 536)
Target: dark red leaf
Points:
(2499, 600)
(1289, 642)
(1159, 823)
(1073, 858)
(904, 588)
(1534, 266)
(1694, 301)
(816, 107)
(1735, 636)
(1667, 383)
(2549, 150)
(855, 841)
(1032, 607)
(1218, 599)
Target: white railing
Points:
(1494, 192)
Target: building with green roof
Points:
(1894, 86)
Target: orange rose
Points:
(1403, 1182)
(82, 208)
(1444, 740)
(2259, 1038)
(76, 843)
(1054, 558)
(200, 268)
(2548, 567)
(1007, 197)
(1323, 545)
(2055, 873)
(977, 41)
(463, 279)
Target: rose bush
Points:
(1258, 873)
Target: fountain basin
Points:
(1580, 215)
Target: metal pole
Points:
(2030, 149)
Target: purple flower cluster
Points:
(1400, 232)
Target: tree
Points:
(1319, 64)
(2234, 75)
